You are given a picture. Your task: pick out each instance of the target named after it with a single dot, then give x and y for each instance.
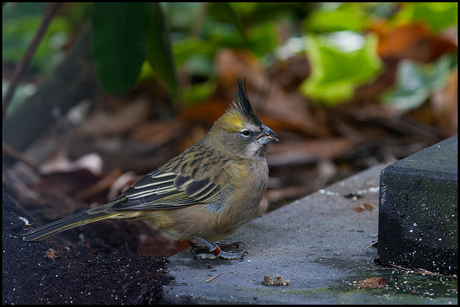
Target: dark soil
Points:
(54, 271)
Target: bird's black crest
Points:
(243, 105)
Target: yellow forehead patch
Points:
(233, 121)
(236, 120)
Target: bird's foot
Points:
(218, 253)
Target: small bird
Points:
(205, 193)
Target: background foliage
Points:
(132, 42)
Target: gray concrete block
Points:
(418, 212)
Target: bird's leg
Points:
(217, 252)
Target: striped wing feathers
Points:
(167, 190)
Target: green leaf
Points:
(348, 16)
(159, 53)
(335, 71)
(119, 43)
(437, 15)
(415, 83)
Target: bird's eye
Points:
(245, 132)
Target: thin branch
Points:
(418, 271)
(212, 278)
(16, 154)
(24, 64)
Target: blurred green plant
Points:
(337, 70)
(438, 15)
(341, 59)
(337, 17)
(19, 23)
(119, 43)
(213, 26)
(125, 35)
(415, 82)
(159, 53)
(132, 42)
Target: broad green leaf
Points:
(348, 16)
(159, 53)
(331, 93)
(437, 15)
(119, 43)
(415, 83)
(337, 72)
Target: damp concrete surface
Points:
(320, 246)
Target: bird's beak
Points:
(267, 136)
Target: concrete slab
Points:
(318, 243)
(418, 216)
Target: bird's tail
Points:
(79, 219)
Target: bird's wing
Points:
(174, 187)
(167, 190)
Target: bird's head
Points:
(240, 131)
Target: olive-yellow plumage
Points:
(205, 193)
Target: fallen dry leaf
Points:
(400, 41)
(363, 207)
(232, 64)
(50, 253)
(373, 283)
(290, 107)
(278, 281)
(207, 112)
(103, 123)
(160, 132)
(101, 186)
(412, 41)
(123, 182)
(60, 162)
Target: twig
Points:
(426, 272)
(212, 278)
(19, 156)
(399, 267)
(373, 243)
(24, 64)
(418, 271)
